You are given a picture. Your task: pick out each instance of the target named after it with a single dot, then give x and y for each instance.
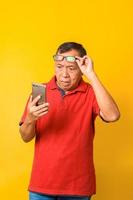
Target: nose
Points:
(65, 72)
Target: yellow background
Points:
(30, 32)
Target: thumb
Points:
(35, 100)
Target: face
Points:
(67, 73)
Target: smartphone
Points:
(39, 89)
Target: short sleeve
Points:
(96, 109)
(95, 106)
(24, 113)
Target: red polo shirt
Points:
(63, 159)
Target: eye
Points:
(72, 68)
(59, 66)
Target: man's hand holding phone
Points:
(34, 111)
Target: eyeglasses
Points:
(67, 58)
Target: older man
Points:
(64, 127)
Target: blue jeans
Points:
(38, 196)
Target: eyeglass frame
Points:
(64, 57)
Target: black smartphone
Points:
(39, 89)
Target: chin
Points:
(66, 88)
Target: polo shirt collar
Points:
(81, 87)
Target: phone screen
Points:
(39, 89)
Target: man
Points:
(64, 127)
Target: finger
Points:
(38, 113)
(43, 105)
(78, 62)
(86, 56)
(81, 59)
(37, 108)
(78, 58)
(41, 110)
(90, 60)
(44, 113)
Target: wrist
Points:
(29, 120)
(91, 75)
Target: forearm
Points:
(108, 108)
(27, 130)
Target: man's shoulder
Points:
(86, 84)
(50, 83)
(88, 88)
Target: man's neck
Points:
(61, 88)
